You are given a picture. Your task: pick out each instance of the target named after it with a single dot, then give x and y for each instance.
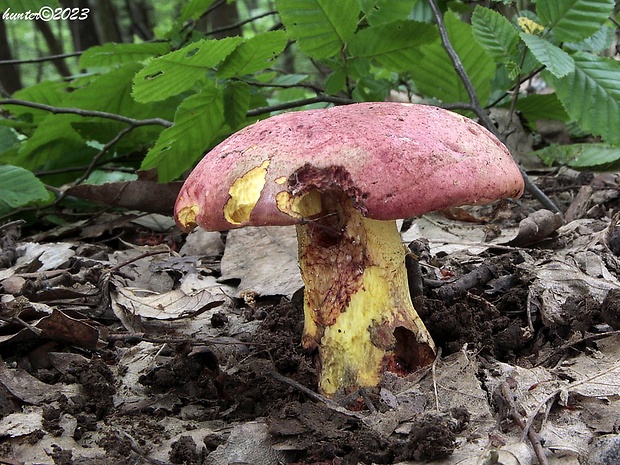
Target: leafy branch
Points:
(475, 106)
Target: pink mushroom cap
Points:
(394, 161)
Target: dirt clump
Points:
(184, 451)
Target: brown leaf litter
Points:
(119, 346)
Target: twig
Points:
(477, 108)
(568, 345)
(93, 164)
(40, 59)
(513, 412)
(87, 113)
(19, 321)
(477, 277)
(299, 103)
(433, 374)
(528, 425)
(314, 395)
(11, 224)
(241, 23)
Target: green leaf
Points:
(541, 106)
(196, 124)
(557, 61)
(54, 145)
(8, 139)
(254, 54)
(495, 33)
(110, 92)
(574, 20)
(194, 9)
(236, 104)
(386, 11)
(435, 75)
(48, 92)
(321, 27)
(178, 71)
(591, 95)
(19, 187)
(395, 46)
(601, 156)
(601, 40)
(112, 54)
(336, 81)
(590, 155)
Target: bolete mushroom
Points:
(343, 175)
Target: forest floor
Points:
(125, 342)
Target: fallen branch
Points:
(477, 277)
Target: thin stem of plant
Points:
(477, 108)
(40, 59)
(299, 103)
(88, 113)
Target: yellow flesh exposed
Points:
(244, 193)
(356, 294)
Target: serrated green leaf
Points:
(396, 46)
(601, 156)
(254, 54)
(110, 92)
(55, 143)
(602, 40)
(574, 20)
(495, 33)
(236, 104)
(197, 123)
(194, 9)
(178, 71)
(321, 27)
(435, 76)
(557, 61)
(591, 155)
(19, 187)
(386, 11)
(541, 106)
(112, 54)
(591, 95)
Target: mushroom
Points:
(343, 176)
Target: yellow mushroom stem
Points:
(358, 312)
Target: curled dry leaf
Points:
(26, 387)
(175, 304)
(537, 226)
(56, 325)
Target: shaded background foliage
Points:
(153, 85)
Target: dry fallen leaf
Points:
(264, 259)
